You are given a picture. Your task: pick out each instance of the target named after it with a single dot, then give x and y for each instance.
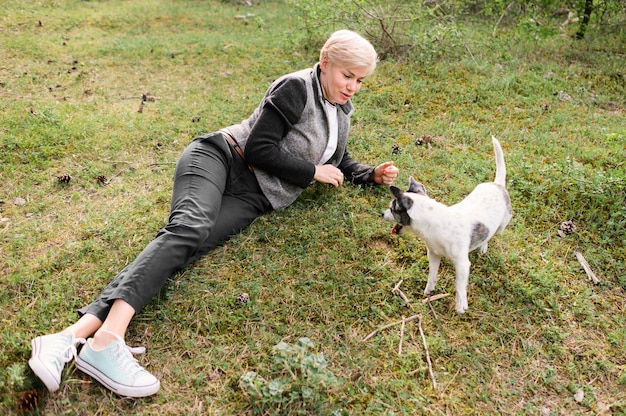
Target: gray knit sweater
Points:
(286, 136)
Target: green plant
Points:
(299, 382)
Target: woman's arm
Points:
(281, 109)
(357, 173)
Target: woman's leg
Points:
(86, 326)
(242, 202)
(199, 184)
(215, 196)
(116, 323)
(194, 227)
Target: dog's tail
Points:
(500, 166)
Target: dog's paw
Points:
(461, 305)
(430, 287)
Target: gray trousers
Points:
(215, 196)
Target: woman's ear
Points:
(324, 63)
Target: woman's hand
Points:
(385, 173)
(328, 174)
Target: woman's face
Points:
(340, 83)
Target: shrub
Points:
(297, 384)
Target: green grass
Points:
(537, 329)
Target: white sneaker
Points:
(50, 354)
(117, 369)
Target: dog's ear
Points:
(416, 187)
(396, 192)
(401, 201)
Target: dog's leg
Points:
(433, 270)
(483, 248)
(462, 267)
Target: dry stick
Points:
(404, 298)
(376, 331)
(401, 336)
(430, 305)
(430, 364)
(396, 291)
(161, 163)
(583, 262)
(449, 383)
(493, 34)
(436, 297)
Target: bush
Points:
(297, 384)
(395, 28)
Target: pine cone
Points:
(243, 298)
(64, 178)
(28, 401)
(567, 228)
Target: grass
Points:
(537, 330)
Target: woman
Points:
(222, 183)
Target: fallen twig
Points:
(506, 9)
(403, 297)
(436, 297)
(583, 262)
(430, 364)
(161, 163)
(449, 383)
(430, 305)
(376, 331)
(396, 291)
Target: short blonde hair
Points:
(348, 48)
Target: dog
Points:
(453, 231)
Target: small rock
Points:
(563, 96)
(579, 396)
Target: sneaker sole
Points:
(40, 369)
(117, 388)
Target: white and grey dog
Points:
(453, 231)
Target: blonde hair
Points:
(349, 49)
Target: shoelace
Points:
(127, 362)
(69, 352)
